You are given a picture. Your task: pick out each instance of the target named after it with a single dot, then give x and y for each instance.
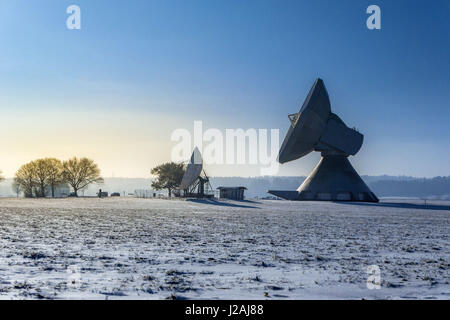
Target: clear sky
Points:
(116, 89)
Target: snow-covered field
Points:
(155, 249)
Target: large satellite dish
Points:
(193, 170)
(316, 128)
(195, 182)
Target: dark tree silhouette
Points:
(169, 176)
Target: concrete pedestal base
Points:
(333, 179)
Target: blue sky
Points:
(137, 70)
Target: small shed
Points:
(233, 193)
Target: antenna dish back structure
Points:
(316, 128)
(195, 182)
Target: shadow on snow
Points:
(224, 204)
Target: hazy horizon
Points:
(264, 176)
(383, 186)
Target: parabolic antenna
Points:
(193, 169)
(316, 128)
(194, 184)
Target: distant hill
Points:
(437, 187)
(382, 186)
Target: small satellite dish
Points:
(316, 128)
(194, 183)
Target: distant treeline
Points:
(438, 186)
(382, 186)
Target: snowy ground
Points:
(156, 249)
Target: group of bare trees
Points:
(37, 177)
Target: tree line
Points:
(35, 178)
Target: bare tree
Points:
(54, 173)
(25, 178)
(80, 173)
(41, 171)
